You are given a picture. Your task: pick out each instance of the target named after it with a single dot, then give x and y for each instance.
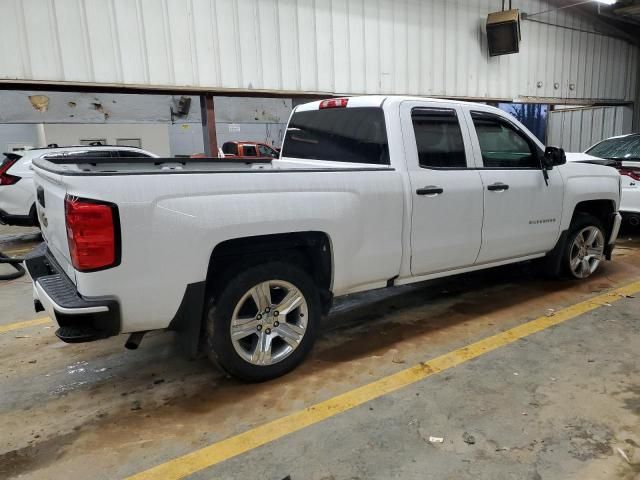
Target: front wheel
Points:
(585, 247)
(264, 321)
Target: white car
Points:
(624, 149)
(17, 193)
(242, 259)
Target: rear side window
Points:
(230, 148)
(355, 135)
(438, 138)
(501, 144)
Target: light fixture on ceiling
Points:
(605, 2)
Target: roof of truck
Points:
(379, 100)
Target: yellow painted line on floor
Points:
(25, 324)
(215, 453)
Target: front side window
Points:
(438, 138)
(503, 146)
(354, 135)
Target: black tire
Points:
(633, 219)
(219, 346)
(580, 222)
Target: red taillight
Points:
(334, 103)
(630, 172)
(92, 233)
(5, 178)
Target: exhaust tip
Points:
(133, 342)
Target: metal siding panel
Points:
(597, 122)
(179, 28)
(414, 48)
(270, 54)
(356, 45)
(387, 52)
(70, 20)
(342, 49)
(609, 122)
(435, 47)
(226, 24)
(576, 129)
(438, 38)
(158, 59)
(399, 39)
(43, 52)
(13, 57)
(128, 23)
(325, 46)
(248, 22)
(587, 128)
(104, 53)
(372, 46)
(207, 53)
(306, 27)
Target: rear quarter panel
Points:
(171, 223)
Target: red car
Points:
(249, 149)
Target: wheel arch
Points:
(310, 250)
(602, 209)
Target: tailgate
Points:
(50, 195)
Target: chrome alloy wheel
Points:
(586, 252)
(269, 322)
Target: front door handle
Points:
(431, 190)
(498, 187)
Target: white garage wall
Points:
(426, 47)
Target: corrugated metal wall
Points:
(575, 130)
(426, 47)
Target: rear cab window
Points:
(249, 151)
(349, 135)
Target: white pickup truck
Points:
(242, 259)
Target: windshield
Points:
(619, 148)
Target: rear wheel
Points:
(585, 247)
(264, 321)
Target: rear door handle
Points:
(431, 190)
(498, 187)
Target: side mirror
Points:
(553, 156)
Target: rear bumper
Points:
(18, 220)
(80, 319)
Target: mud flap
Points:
(188, 321)
(552, 262)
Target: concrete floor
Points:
(99, 411)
